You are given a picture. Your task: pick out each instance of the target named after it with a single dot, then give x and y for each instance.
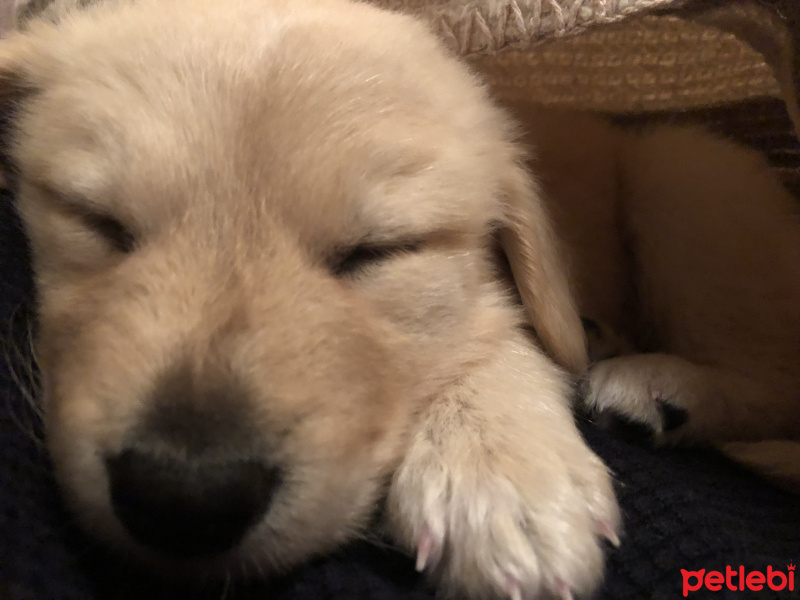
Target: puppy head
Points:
(262, 242)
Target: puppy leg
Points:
(498, 495)
(715, 241)
(672, 398)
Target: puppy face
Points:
(262, 240)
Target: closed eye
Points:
(350, 261)
(110, 229)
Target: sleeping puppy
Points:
(266, 239)
(265, 244)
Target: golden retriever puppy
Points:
(265, 240)
(686, 252)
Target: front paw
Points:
(493, 516)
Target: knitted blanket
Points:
(683, 509)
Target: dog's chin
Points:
(235, 563)
(241, 563)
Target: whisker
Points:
(24, 375)
(226, 584)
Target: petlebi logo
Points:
(739, 580)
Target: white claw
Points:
(604, 529)
(424, 548)
(513, 590)
(562, 590)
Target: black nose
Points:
(189, 506)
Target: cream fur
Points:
(244, 149)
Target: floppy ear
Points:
(532, 249)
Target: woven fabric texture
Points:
(480, 26)
(649, 63)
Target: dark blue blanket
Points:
(683, 510)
